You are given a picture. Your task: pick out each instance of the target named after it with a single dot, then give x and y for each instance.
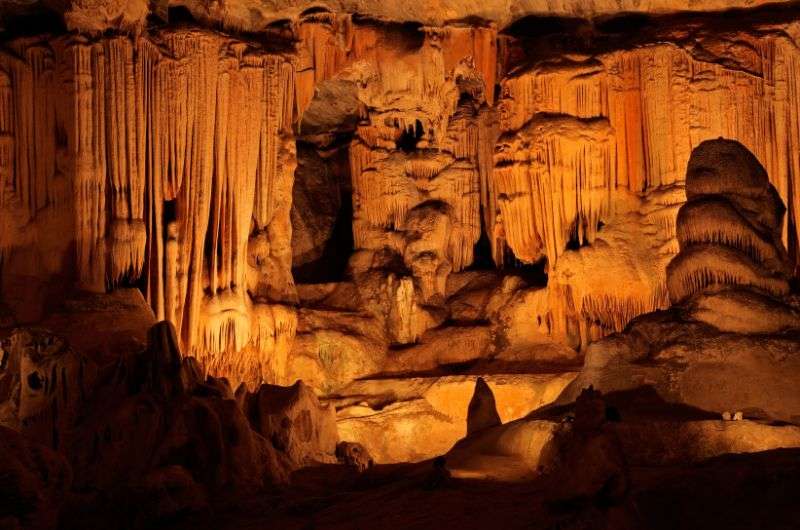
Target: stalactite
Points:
(88, 143)
(274, 328)
(6, 142)
(277, 100)
(159, 130)
(660, 102)
(324, 46)
(169, 170)
(128, 237)
(198, 55)
(557, 173)
(488, 134)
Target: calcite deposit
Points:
(729, 341)
(280, 259)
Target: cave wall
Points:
(583, 133)
(168, 158)
(135, 159)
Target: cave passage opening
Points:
(322, 205)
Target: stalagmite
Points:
(424, 228)
(659, 102)
(702, 266)
(125, 172)
(730, 226)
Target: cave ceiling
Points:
(257, 15)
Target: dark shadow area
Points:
(24, 21)
(627, 23)
(482, 252)
(331, 266)
(537, 38)
(640, 402)
(402, 36)
(741, 492)
(322, 213)
(410, 137)
(178, 15)
(543, 26)
(534, 274)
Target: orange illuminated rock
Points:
(729, 341)
(648, 434)
(254, 15)
(295, 422)
(164, 155)
(249, 244)
(416, 418)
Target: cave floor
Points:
(744, 491)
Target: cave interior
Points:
(337, 265)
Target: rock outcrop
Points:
(729, 232)
(132, 156)
(730, 340)
(293, 419)
(148, 436)
(250, 15)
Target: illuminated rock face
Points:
(168, 159)
(255, 15)
(165, 159)
(730, 228)
(417, 418)
(327, 238)
(729, 340)
(592, 138)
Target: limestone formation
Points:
(589, 461)
(354, 454)
(729, 339)
(97, 15)
(154, 411)
(45, 384)
(482, 410)
(150, 428)
(139, 119)
(455, 135)
(413, 419)
(253, 251)
(649, 431)
(730, 228)
(295, 422)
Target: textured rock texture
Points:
(729, 342)
(554, 444)
(254, 15)
(146, 437)
(170, 155)
(413, 419)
